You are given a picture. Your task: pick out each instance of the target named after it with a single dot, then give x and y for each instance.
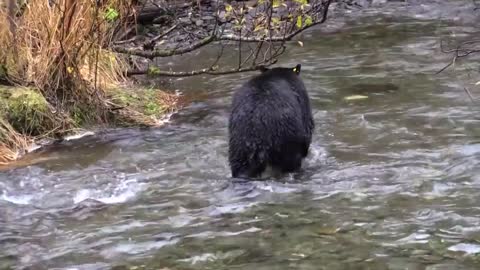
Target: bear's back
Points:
(266, 96)
(269, 108)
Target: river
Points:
(390, 183)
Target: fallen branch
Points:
(164, 53)
(209, 71)
(126, 33)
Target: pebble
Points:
(185, 20)
(208, 18)
(222, 14)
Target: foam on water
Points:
(125, 191)
(466, 248)
(212, 234)
(16, 199)
(132, 247)
(206, 257)
(79, 136)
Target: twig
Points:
(218, 56)
(447, 66)
(457, 55)
(269, 25)
(151, 43)
(252, 53)
(127, 32)
(459, 52)
(469, 94)
(240, 51)
(259, 48)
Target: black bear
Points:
(270, 123)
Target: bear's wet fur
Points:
(270, 124)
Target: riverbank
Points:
(28, 121)
(56, 82)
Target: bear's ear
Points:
(263, 68)
(297, 69)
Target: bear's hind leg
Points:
(249, 167)
(288, 162)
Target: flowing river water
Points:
(391, 181)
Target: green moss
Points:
(125, 98)
(25, 109)
(144, 100)
(153, 105)
(153, 70)
(152, 108)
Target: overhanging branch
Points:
(164, 53)
(209, 71)
(281, 38)
(215, 37)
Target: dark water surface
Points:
(391, 181)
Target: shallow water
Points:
(391, 181)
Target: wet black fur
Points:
(270, 123)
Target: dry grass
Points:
(12, 143)
(59, 48)
(62, 50)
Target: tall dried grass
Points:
(59, 48)
(12, 143)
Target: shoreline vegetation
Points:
(58, 75)
(72, 65)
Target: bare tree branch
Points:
(165, 53)
(268, 28)
(215, 37)
(209, 71)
